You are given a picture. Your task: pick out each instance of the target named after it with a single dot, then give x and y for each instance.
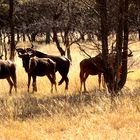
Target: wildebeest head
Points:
(20, 51)
(25, 55)
(25, 60)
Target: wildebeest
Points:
(8, 72)
(62, 63)
(90, 66)
(35, 66)
(95, 66)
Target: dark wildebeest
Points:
(90, 66)
(95, 66)
(8, 72)
(35, 66)
(62, 63)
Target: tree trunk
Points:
(119, 42)
(82, 36)
(66, 42)
(111, 69)
(18, 37)
(139, 33)
(23, 36)
(33, 36)
(90, 36)
(4, 44)
(1, 49)
(104, 34)
(125, 47)
(12, 30)
(104, 31)
(55, 38)
(48, 37)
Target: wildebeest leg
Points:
(34, 83)
(53, 77)
(29, 80)
(99, 80)
(14, 81)
(10, 83)
(64, 78)
(67, 82)
(81, 79)
(84, 81)
(61, 81)
(52, 80)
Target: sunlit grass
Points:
(69, 115)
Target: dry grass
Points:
(70, 115)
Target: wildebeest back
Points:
(41, 66)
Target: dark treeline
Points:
(67, 17)
(71, 21)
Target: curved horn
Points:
(20, 51)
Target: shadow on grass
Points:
(28, 105)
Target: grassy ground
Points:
(70, 115)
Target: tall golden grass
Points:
(70, 115)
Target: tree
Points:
(111, 69)
(12, 30)
(134, 16)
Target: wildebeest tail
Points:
(13, 73)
